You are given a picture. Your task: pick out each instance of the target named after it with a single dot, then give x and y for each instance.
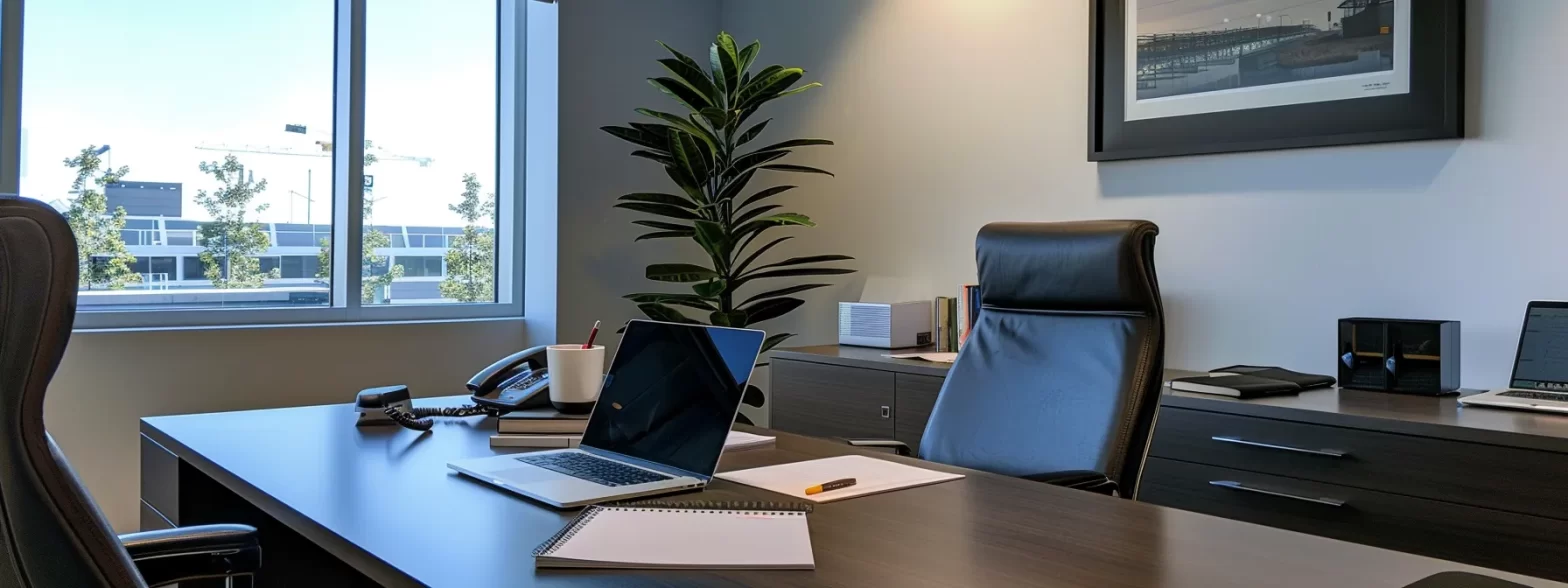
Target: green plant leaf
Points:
(663, 226)
(682, 93)
(709, 289)
(726, 62)
(766, 72)
(794, 91)
(686, 300)
(758, 253)
(795, 272)
(693, 76)
(755, 212)
(733, 318)
(682, 57)
(788, 218)
(717, 118)
(638, 137)
(660, 158)
(806, 260)
(713, 239)
(784, 167)
(783, 292)
(660, 312)
(755, 161)
(771, 309)
(691, 158)
(688, 184)
(796, 143)
(682, 124)
(766, 87)
(752, 133)
(664, 235)
(748, 56)
(768, 193)
(774, 341)
(680, 272)
(661, 132)
(657, 198)
(664, 210)
(735, 185)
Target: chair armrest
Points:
(191, 553)
(1091, 481)
(897, 446)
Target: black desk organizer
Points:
(1401, 356)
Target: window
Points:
(220, 129)
(431, 128)
(417, 266)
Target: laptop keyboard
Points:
(593, 469)
(1535, 395)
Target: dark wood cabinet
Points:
(1503, 540)
(824, 401)
(916, 397)
(1410, 473)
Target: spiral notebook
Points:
(666, 538)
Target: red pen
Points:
(591, 335)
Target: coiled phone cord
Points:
(418, 419)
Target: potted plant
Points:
(708, 153)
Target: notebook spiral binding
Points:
(566, 533)
(722, 505)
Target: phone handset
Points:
(515, 382)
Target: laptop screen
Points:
(672, 393)
(1542, 363)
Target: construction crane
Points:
(324, 150)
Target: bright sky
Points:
(1166, 16)
(155, 79)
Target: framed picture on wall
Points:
(1187, 77)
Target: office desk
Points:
(344, 506)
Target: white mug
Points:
(576, 375)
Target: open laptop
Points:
(659, 426)
(1540, 378)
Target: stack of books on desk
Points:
(540, 427)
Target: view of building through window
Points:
(190, 143)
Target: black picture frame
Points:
(1432, 110)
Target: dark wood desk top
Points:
(1442, 418)
(383, 500)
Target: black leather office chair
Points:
(51, 533)
(1060, 379)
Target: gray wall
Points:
(608, 52)
(954, 114)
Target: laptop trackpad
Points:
(526, 475)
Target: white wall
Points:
(951, 114)
(109, 381)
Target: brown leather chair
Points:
(51, 533)
(1060, 378)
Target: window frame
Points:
(348, 197)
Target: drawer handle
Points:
(1322, 452)
(1245, 488)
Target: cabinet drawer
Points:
(1506, 541)
(1502, 478)
(916, 398)
(832, 401)
(160, 479)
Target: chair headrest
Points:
(1093, 266)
